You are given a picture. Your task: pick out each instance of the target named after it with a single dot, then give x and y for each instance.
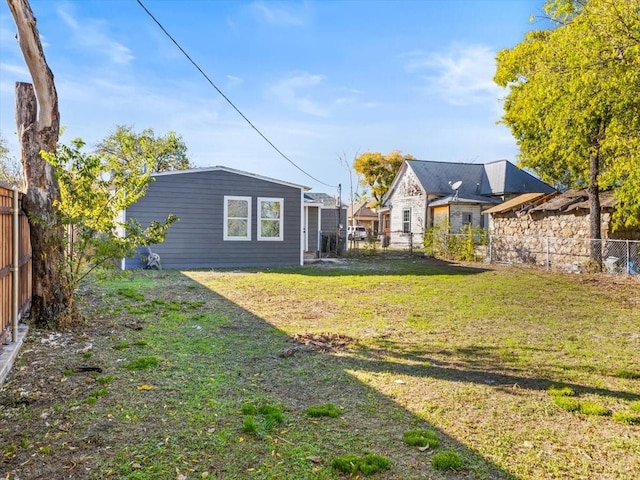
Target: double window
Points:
(237, 218)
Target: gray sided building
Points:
(227, 218)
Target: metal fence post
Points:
(628, 258)
(490, 247)
(548, 260)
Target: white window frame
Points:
(280, 237)
(406, 224)
(225, 235)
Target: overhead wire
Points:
(195, 64)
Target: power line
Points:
(193, 62)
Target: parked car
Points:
(356, 232)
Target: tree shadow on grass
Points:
(478, 364)
(371, 421)
(416, 265)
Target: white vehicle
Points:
(356, 232)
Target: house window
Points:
(466, 218)
(406, 220)
(237, 218)
(270, 219)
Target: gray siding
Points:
(196, 239)
(312, 229)
(331, 218)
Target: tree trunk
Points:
(594, 207)
(38, 122)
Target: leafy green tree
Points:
(378, 171)
(95, 190)
(161, 154)
(573, 103)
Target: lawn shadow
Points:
(418, 265)
(480, 365)
(260, 358)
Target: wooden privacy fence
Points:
(15, 262)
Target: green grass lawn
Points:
(515, 373)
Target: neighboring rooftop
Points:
(491, 179)
(327, 201)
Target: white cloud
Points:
(288, 92)
(14, 69)
(233, 81)
(277, 15)
(462, 76)
(90, 34)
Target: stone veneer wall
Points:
(539, 237)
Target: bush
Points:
(438, 242)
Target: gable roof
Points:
(491, 179)
(361, 209)
(230, 170)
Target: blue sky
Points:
(322, 80)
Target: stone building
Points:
(534, 227)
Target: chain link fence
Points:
(560, 253)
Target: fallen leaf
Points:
(314, 459)
(422, 449)
(146, 387)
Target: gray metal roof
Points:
(327, 201)
(462, 198)
(495, 178)
(504, 177)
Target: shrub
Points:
(627, 374)
(421, 438)
(446, 460)
(635, 406)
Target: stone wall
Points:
(559, 239)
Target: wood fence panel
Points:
(6, 262)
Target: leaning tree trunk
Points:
(38, 122)
(594, 208)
